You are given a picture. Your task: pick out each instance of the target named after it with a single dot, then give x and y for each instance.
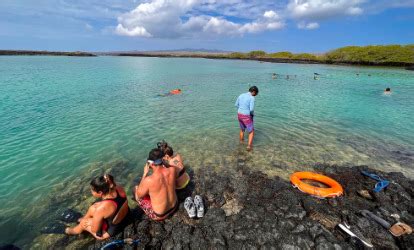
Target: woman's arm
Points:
(178, 162)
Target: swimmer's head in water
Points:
(155, 156)
(102, 184)
(254, 90)
(387, 90)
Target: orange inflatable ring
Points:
(334, 190)
(175, 91)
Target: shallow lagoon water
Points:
(61, 115)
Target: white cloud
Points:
(191, 18)
(270, 14)
(323, 9)
(308, 26)
(354, 11)
(136, 31)
(88, 26)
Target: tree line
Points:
(394, 55)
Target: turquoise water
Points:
(60, 115)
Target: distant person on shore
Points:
(155, 193)
(175, 161)
(245, 113)
(387, 91)
(108, 216)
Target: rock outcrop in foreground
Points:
(247, 209)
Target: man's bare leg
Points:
(241, 136)
(250, 144)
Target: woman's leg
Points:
(84, 225)
(78, 229)
(103, 237)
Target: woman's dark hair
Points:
(103, 183)
(168, 151)
(254, 89)
(387, 89)
(163, 146)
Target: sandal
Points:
(190, 207)
(198, 202)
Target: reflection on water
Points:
(60, 117)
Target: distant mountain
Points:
(193, 50)
(173, 51)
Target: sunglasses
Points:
(156, 162)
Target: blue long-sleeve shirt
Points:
(245, 104)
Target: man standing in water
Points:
(245, 113)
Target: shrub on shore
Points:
(256, 54)
(237, 55)
(393, 55)
(282, 54)
(388, 54)
(305, 56)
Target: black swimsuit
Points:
(169, 211)
(182, 171)
(107, 224)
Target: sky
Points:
(313, 26)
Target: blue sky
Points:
(234, 25)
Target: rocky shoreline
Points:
(247, 209)
(264, 59)
(408, 66)
(43, 53)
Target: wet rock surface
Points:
(247, 209)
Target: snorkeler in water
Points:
(387, 91)
(172, 92)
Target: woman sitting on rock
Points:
(175, 161)
(108, 216)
